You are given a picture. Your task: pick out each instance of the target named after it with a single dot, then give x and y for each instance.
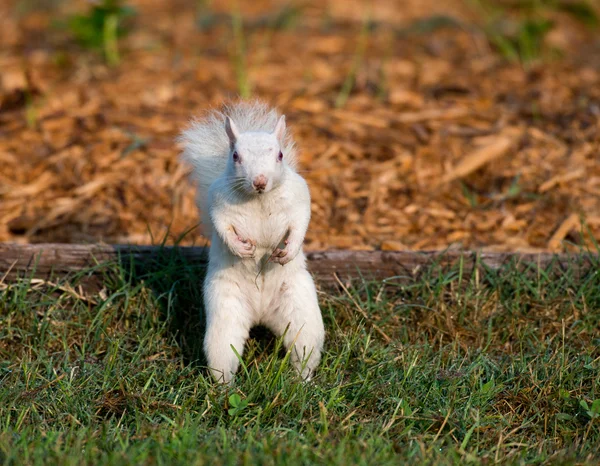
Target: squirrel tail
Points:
(206, 145)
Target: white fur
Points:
(257, 270)
(206, 144)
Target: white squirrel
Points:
(256, 208)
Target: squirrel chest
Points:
(264, 218)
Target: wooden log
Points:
(57, 260)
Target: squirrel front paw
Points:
(281, 256)
(243, 248)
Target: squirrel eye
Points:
(236, 157)
(280, 156)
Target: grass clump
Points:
(518, 30)
(102, 26)
(503, 366)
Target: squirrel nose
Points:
(260, 183)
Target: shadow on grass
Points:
(176, 282)
(177, 285)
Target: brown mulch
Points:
(441, 143)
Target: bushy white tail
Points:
(206, 145)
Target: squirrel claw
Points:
(279, 253)
(279, 256)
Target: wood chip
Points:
(563, 230)
(393, 246)
(433, 114)
(478, 158)
(560, 179)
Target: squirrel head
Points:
(256, 161)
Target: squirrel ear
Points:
(231, 130)
(280, 128)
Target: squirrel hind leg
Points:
(226, 327)
(298, 318)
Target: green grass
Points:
(518, 30)
(357, 62)
(102, 26)
(500, 367)
(239, 57)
